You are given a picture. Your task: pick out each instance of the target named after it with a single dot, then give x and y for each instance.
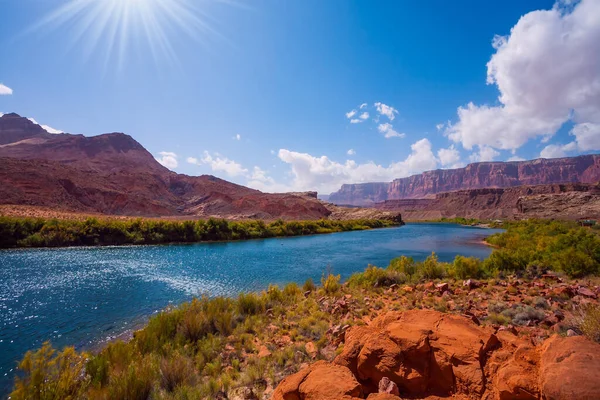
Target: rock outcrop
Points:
(425, 354)
(582, 169)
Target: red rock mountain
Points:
(582, 169)
(114, 174)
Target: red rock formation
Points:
(567, 201)
(585, 169)
(431, 355)
(114, 174)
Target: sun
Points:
(112, 27)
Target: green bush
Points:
(330, 283)
(47, 374)
(404, 265)
(467, 267)
(27, 232)
(431, 268)
(376, 277)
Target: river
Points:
(85, 296)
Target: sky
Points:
(294, 95)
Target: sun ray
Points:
(112, 28)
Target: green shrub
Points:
(249, 304)
(404, 265)
(431, 268)
(590, 324)
(176, 371)
(309, 286)
(47, 375)
(330, 283)
(467, 267)
(376, 277)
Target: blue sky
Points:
(262, 92)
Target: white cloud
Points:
(238, 137)
(355, 121)
(450, 157)
(350, 114)
(557, 150)
(388, 111)
(439, 127)
(547, 72)
(485, 153)
(5, 90)
(388, 130)
(47, 128)
(516, 158)
(363, 105)
(325, 175)
(168, 159)
(351, 152)
(587, 136)
(364, 115)
(218, 163)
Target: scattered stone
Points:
(387, 386)
(586, 292)
(263, 352)
(442, 287)
(407, 289)
(242, 393)
(311, 349)
(571, 333)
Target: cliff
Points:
(584, 169)
(564, 201)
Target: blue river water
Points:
(85, 296)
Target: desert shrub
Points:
(249, 304)
(521, 315)
(431, 268)
(176, 370)
(330, 283)
(135, 382)
(376, 277)
(467, 267)
(291, 292)
(47, 374)
(404, 265)
(309, 286)
(590, 322)
(499, 319)
(575, 263)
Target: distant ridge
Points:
(580, 169)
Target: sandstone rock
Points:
(442, 287)
(569, 368)
(586, 292)
(263, 352)
(422, 351)
(382, 396)
(517, 379)
(389, 387)
(311, 349)
(320, 381)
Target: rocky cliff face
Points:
(114, 174)
(585, 169)
(564, 201)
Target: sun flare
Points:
(112, 27)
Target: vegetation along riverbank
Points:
(38, 232)
(540, 280)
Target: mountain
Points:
(582, 169)
(114, 174)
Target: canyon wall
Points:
(583, 169)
